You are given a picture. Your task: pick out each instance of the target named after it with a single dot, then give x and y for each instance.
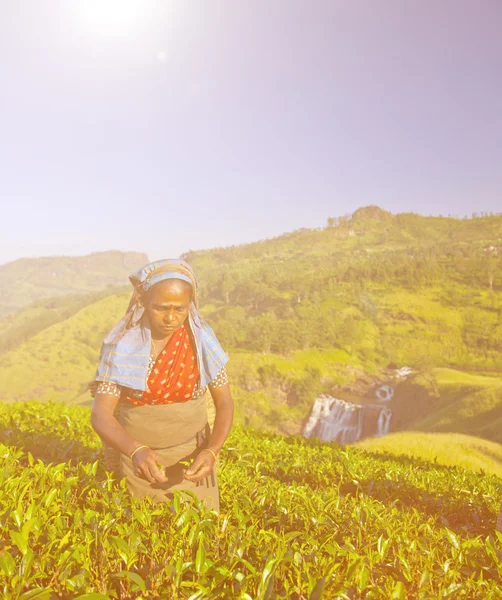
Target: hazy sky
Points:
(164, 126)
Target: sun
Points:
(110, 17)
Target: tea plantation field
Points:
(299, 520)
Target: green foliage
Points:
(308, 387)
(298, 519)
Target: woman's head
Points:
(167, 305)
(165, 290)
(161, 270)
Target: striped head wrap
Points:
(125, 351)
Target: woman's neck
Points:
(158, 336)
(159, 344)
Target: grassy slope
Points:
(452, 449)
(446, 400)
(472, 404)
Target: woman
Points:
(149, 404)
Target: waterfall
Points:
(335, 420)
(319, 412)
(383, 423)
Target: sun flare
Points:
(114, 17)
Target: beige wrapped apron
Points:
(176, 432)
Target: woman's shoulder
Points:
(105, 387)
(220, 380)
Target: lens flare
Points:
(110, 17)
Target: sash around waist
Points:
(164, 425)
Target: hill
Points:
(298, 520)
(367, 286)
(29, 279)
(317, 311)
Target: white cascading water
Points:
(335, 420)
(383, 423)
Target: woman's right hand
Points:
(145, 465)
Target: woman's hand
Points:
(145, 465)
(201, 467)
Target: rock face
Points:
(335, 420)
(371, 212)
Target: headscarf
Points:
(125, 352)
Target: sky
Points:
(162, 126)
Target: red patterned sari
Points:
(174, 374)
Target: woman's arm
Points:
(111, 432)
(203, 464)
(224, 405)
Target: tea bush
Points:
(299, 519)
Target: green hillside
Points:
(57, 363)
(452, 449)
(298, 520)
(318, 311)
(369, 285)
(19, 327)
(29, 279)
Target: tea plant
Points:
(299, 519)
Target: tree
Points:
(227, 286)
(307, 388)
(478, 327)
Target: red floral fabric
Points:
(174, 374)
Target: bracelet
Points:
(136, 450)
(209, 450)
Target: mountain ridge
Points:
(27, 280)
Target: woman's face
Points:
(167, 304)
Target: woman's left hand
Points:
(201, 467)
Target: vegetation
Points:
(298, 519)
(314, 311)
